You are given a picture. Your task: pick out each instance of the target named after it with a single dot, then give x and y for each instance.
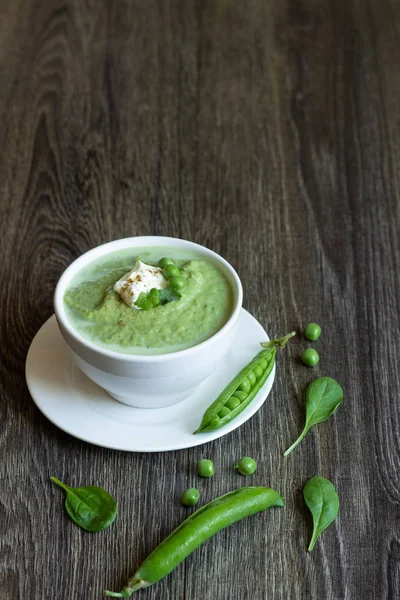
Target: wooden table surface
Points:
(269, 132)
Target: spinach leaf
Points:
(91, 507)
(323, 397)
(322, 500)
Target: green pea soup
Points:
(98, 313)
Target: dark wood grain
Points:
(270, 132)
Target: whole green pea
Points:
(205, 467)
(312, 331)
(190, 497)
(233, 402)
(310, 357)
(170, 270)
(163, 262)
(246, 465)
(177, 283)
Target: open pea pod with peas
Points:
(243, 388)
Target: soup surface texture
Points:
(99, 314)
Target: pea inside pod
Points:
(243, 388)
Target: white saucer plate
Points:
(78, 406)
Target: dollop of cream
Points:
(142, 279)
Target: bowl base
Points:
(141, 402)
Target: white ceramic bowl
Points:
(148, 381)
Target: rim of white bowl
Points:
(132, 242)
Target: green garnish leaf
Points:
(168, 295)
(91, 507)
(156, 297)
(323, 502)
(148, 300)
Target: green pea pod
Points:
(211, 420)
(218, 414)
(198, 528)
